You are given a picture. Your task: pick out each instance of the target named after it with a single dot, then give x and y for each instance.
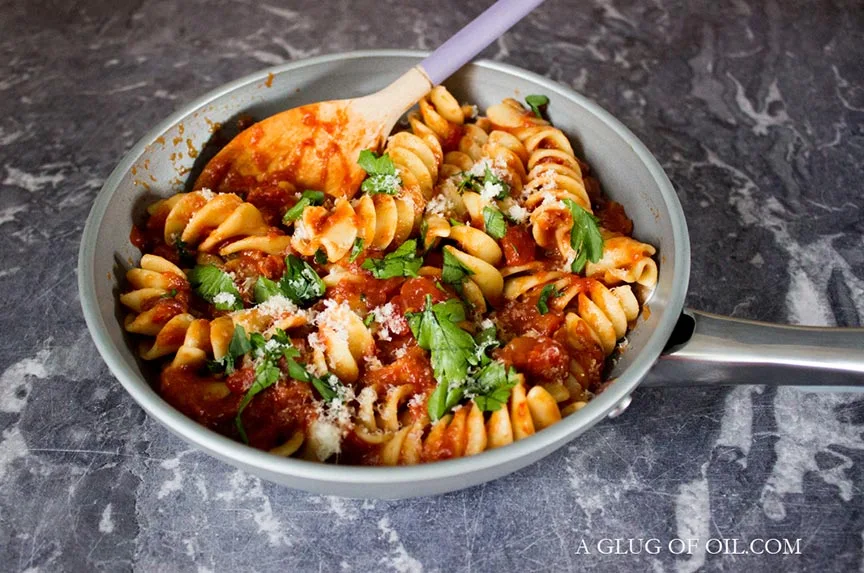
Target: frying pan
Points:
(668, 345)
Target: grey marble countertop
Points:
(756, 111)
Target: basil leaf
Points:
(494, 222)
(215, 286)
(307, 198)
(585, 237)
(170, 294)
(300, 282)
(535, 102)
(356, 250)
(403, 262)
(381, 173)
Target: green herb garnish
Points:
(491, 387)
(215, 286)
(453, 272)
(494, 222)
(265, 288)
(300, 283)
(170, 294)
(356, 249)
(452, 351)
(238, 346)
(267, 373)
(320, 257)
(549, 291)
(381, 173)
(183, 251)
(403, 262)
(489, 179)
(535, 102)
(307, 198)
(585, 237)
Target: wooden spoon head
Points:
(315, 146)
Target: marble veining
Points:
(755, 108)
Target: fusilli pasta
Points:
(471, 294)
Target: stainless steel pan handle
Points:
(712, 349)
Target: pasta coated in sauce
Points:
(469, 295)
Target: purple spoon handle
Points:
(473, 38)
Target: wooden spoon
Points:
(316, 146)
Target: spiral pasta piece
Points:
(606, 312)
(343, 340)
(377, 420)
(222, 222)
(154, 312)
(378, 220)
(467, 432)
(625, 260)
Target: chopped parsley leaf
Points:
(471, 182)
(267, 371)
(453, 271)
(536, 102)
(585, 237)
(549, 291)
(306, 199)
(320, 257)
(183, 252)
(382, 176)
(451, 349)
(492, 386)
(356, 249)
(170, 294)
(403, 262)
(300, 283)
(494, 222)
(215, 286)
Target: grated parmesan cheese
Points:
(206, 193)
(487, 323)
(490, 191)
(479, 168)
(326, 439)
(517, 213)
(373, 363)
(439, 205)
(315, 343)
(335, 317)
(301, 231)
(225, 298)
(389, 320)
(278, 305)
(568, 263)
